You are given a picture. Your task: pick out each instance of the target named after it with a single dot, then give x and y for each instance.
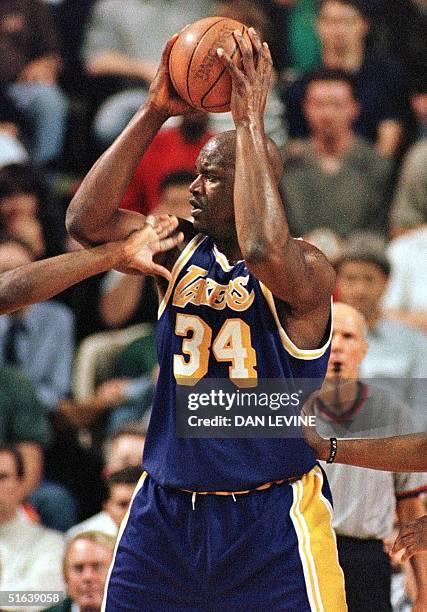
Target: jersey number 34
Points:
(232, 344)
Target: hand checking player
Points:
(156, 236)
(412, 538)
(162, 96)
(249, 86)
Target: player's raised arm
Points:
(43, 279)
(93, 215)
(294, 271)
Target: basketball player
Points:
(223, 524)
(41, 280)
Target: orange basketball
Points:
(197, 73)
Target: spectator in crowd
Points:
(419, 108)
(30, 555)
(23, 423)
(124, 448)
(28, 212)
(409, 209)
(347, 407)
(125, 41)
(382, 83)
(406, 296)
(37, 339)
(31, 65)
(86, 562)
(137, 367)
(334, 179)
(172, 149)
(120, 486)
(398, 29)
(397, 353)
(12, 147)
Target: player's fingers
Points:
(246, 52)
(166, 232)
(167, 50)
(166, 226)
(159, 270)
(169, 243)
(409, 552)
(402, 541)
(256, 41)
(151, 220)
(235, 73)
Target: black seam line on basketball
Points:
(217, 79)
(194, 51)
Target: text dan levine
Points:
(273, 420)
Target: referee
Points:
(365, 500)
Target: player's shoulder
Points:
(312, 255)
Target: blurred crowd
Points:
(348, 108)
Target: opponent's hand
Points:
(162, 95)
(318, 444)
(412, 538)
(156, 236)
(249, 86)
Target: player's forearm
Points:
(407, 511)
(397, 454)
(93, 215)
(41, 280)
(261, 222)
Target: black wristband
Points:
(333, 450)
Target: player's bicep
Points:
(299, 276)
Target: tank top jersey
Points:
(211, 307)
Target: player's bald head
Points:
(221, 150)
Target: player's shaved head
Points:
(221, 149)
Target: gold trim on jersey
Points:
(312, 520)
(177, 267)
(290, 347)
(223, 261)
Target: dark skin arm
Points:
(41, 280)
(407, 453)
(298, 275)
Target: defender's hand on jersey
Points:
(156, 236)
(162, 95)
(250, 85)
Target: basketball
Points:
(196, 72)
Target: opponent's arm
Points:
(93, 215)
(41, 280)
(397, 454)
(409, 510)
(294, 271)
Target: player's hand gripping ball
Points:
(196, 72)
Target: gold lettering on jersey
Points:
(195, 288)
